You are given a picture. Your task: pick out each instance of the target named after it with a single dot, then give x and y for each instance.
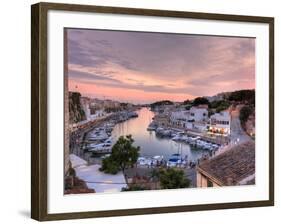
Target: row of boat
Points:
(162, 132)
(175, 160)
(182, 137)
(99, 140)
(196, 142)
(153, 161)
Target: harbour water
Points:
(150, 144)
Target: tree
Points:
(123, 156)
(160, 103)
(186, 102)
(243, 95)
(172, 179)
(245, 112)
(219, 105)
(200, 100)
(124, 153)
(109, 166)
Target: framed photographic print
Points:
(140, 111)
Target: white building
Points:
(182, 115)
(199, 126)
(198, 114)
(179, 118)
(195, 118)
(220, 123)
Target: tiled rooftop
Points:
(232, 166)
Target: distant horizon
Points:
(143, 67)
(157, 100)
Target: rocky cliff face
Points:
(76, 112)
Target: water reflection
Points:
(149, 143)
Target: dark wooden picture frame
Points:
(39, 107)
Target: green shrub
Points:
(109, 166)
(219, 105)
(172, 179)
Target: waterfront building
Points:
(98, 104)
(180, 115)
(164, 108)
(111, 104)
(220, 123)
(199, 126)
(195, 118)
(180, 118)
(162, 119)
(217, 171)
(198, 114)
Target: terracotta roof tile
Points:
(232, 166)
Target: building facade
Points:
(198, 114)
(162, 119)
(220, 123)
(195, 118)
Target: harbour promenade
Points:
(77, 136)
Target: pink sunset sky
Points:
(140, 67)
